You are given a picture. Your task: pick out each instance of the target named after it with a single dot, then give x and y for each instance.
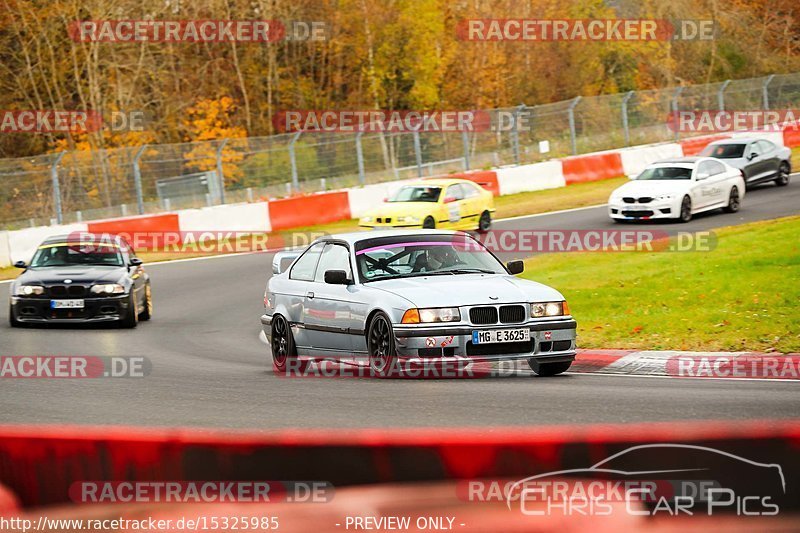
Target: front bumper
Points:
(37, 310)
(551, 340)
(651, 211)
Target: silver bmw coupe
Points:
(387, 298)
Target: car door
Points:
(328, 317)
(454, 206)
(301, 277)
(771, 156)
(758, 165)
(711, 179)
(472, 204)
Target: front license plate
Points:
(66, 304)
(490, 336)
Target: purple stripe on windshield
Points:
(402, 244)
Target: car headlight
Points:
(366, 220)
(107, 288)
(30, 290)
(434, 314)
(541, 309)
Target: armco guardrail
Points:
(124, 181)
(40, 464)
(307, 210)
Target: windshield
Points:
(411, 256)
(59, 255)
(724, 151)
(666, 173)
(416, 193)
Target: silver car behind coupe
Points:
(387, 298)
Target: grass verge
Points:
(742, 296)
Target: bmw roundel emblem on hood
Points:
(493, 297)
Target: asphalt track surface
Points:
(209, 368)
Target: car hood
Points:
(78, 274)
(467, 289)
(652, 187)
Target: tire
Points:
(734, 203)
(428, 223)
(131, 320)
(147, 314)
(282, 344)
(548, 369)
(380, 346)
(485, 222)
(783, 175)
(685, 214)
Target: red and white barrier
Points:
(332, 206)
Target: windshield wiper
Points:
(471, 271)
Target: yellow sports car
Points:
(434, 203)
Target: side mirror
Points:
(21, 264)
(752, 156)
(283, 260)
(449, 199)
(135, 262)
(515, 267)
(336, 277)
(702, 175)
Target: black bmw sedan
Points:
(81, 278)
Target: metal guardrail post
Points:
(765, 93)
(220, 175)
(515, 132)
(465, 143)
(57, 187)
(362, 175)
(137, 180)
(293, 161)
(418, 153)
(721, 95)
(625, 129)
(675, 97)
(571, 116)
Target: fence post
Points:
(721, 95)
(465, 143)
(362, 175)
(137, 180)
(675, 97)
(57, 187)
(571, 115)
(220, 175)
(293, 161)
(418, 153)
(765, 93)
(515, 132)
(625, 129)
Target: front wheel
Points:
(733, 201)
(485, 222)
(686, 210)
(548, 369)
(783, 175)
(147, 313)
(428, 223)
(380, 345)
(282, 344)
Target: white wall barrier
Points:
(243, 218)
(5, 250)
(535, 177)
(635, 159)
(23, 243)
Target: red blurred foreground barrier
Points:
(40, 464)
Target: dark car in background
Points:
(759, 160)
(81, 278)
